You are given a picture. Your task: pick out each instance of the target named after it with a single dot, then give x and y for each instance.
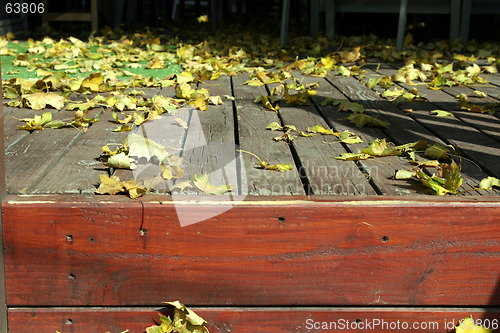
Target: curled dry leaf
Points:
(113, 185)
(40, 100)
(489, 182)
(361, 120)
(320, 129)
(202, 183)
(120, 161)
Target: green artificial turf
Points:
(9, 70)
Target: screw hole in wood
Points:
(281, 219)
(72, 276)
(384, 239)
(69, 239)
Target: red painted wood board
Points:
(262, 320)
(65, 251)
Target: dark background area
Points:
(258, 13)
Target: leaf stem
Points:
(244, 151)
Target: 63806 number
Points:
(24, 8)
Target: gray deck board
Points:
(326, 176)
(210, 146)
(474, 144)
(252, 121)
(380, 171)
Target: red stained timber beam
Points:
(262, 320)
(261, 252)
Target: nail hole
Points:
(358, 320)
(69, 321)
(143, 232)
(72, 276)
(92, 239)
(281, 219)
(384, 239)
(69, 239)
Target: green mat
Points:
(9, 70)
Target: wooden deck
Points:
(329, 241)
(66, 161)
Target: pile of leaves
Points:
(446, 180)
(138, 151)
(184, 321)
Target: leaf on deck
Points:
(361, 120)
(40, 100)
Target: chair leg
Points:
(330, 18)
(216, 8)
(175, 10)
(454, 19)
(465, 24)
(93, 15)
(285, 18)
(314, 18)
(119, 9)
(401, 24)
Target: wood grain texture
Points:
(481, 148)
(30, 160)
(79, 169)
(325, 175)
(486, 123)
(12, 134)
(250, 320)
(432, 134)
(493, 79)
(380, 174)
(265, 253)
(252, 122)
(210, 146)
(165, 131)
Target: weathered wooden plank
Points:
(79, 169)
(493, 78)
(252, 121)
(325, 175)
(210, 146)
(29, 160)
(380, 174)
(240, 319)
(357, 252)
(488, 88)
(278, 199)
(165, 131)
(481, 148)
(11, 131)
(485, 123)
